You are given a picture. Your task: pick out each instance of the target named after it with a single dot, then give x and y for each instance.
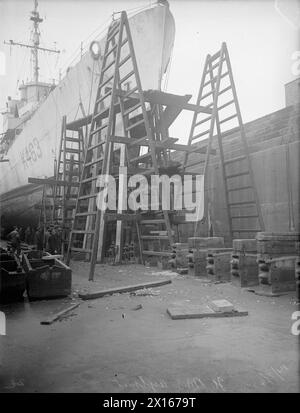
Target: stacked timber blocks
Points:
(218, 266)
(179, 258)
(244, 269)
(197, 253)
(278, 254)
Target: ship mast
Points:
(35, 46)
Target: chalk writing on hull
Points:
(31, 153)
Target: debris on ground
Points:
(145, 292)
(137, 307)
(60, 314)
(125, 289)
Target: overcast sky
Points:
(261, 37)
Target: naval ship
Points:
(32, 124)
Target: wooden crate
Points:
(12, 280)
(47, 278)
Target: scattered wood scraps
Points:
(125, 289)
(58, 315)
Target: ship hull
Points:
(33, 152)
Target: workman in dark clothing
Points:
(28, 235)
(39, 239)
(52, 242)
(14, 238)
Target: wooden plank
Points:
(158, 253)
(50, 181)
(169, 99)
(200, 311)
(125, 289)
(56, 316)
(121, 217)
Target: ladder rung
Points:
(207, 94)
(92, 178)
(202, 121)
(68, 138)
(225, 90)
(81, 250)
(71, 150)
(154, 237)
(152, 221)
(110, 51)
(135, 124)
(82, 231)
(240, 188)
(69, 160)
(237, 174)
(103, 97)
(82, 197)
(124, 60)
(242, 203)
(127, 111)
(238, 158)
(129, 92)
(106, 81)
(214, 78)
(108, 66)
(114, 31)
(127, 76)
(226, 104)
(217, 64)
(99, 129)
(140, 142)
(114, 47)
(85, 214)
(141, 157)
(215, 56)
(199, 135)
(91, 148)
(93, 162)
(228, 119)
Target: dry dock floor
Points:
(108, 345)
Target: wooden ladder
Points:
(67, 175)
(119, 81)
(217, 91)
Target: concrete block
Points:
(244, 270)
(277, 275)
(222, 306)
(219, 265)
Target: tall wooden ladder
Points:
(67, 175)
(217, 91)
(119, 80)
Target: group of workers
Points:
(48, 239)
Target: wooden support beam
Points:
(125, 289)
(50, 181)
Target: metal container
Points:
(46, 277)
